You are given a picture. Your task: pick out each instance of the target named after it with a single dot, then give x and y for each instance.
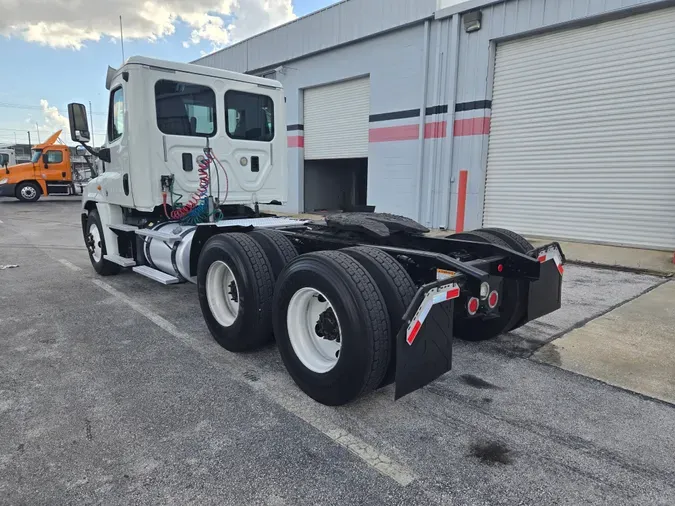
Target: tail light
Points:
(493, 299)
(472, 306)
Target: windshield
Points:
(4, 159)
(36, 155)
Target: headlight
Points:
(3, 181)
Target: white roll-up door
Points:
(582, 144)
(336, 120)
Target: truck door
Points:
(55, 171)
(117, 170)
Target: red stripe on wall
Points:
(397, 133)
(436, 130)
(408, 132)
(296, 141)
(472, 126)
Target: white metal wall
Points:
(336, 120)
(582, 144)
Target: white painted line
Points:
(306, 409)
(72, 267)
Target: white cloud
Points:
(53, 119)
(72, 24)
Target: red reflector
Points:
(472, 306)
(542, 259)
(493, 299)
(413, 333)
(500, 268)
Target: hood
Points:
(13, 169)
(49, 141)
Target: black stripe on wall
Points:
(437, 109)
(410, 113)
(386, 116)
(292, 128)
(471, 106)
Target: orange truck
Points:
(48, 173)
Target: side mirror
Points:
(44, 160)
(79, 127)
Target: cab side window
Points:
(53, 157)
(116, 114)
(249, 116)
(185, 109)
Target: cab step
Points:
(122, 228)
(120, 260)
(155, 275)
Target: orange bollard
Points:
(461, 200)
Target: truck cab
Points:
(49, 172)
(7, 157)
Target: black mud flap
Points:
(545, 294)
(424, 343)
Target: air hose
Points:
(196, 198)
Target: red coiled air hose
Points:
(202, 190)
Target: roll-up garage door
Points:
(336, 120)
(582, 144)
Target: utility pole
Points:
(122, 39)
(38, 131)
(30, 144)
(91, 118)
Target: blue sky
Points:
(35, 69)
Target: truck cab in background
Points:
(49, 172)
(7, 157)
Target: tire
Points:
(278, 248)
(511, 307)
(28, 192)
(515, 241)
(249, 327)
(95, 242)
(362, 338)
(397, 287)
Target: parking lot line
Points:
(367, 453)
(72, 267)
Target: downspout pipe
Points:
(453, 72)
(422, 119)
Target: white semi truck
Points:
(354, 302)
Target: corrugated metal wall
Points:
(339, 24)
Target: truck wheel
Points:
(332, 327)
(95, 242)
(397, 288)
(28, 192)
(278, 248)
(515, 241)
(511, 308)
(235, 286)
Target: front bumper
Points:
(424, 342)
(7, 190)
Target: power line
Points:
(36, 108)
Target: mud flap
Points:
(545, 294)
(424, 343)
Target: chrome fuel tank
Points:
(171, 257)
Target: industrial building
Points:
(562, 111)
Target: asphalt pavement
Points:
(113, 392)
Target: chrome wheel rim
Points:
(222, 293)
(314, 330)
(28, 192)
(95, 243)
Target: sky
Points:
(56, 52)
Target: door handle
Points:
(125, 184)
(63, 175)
